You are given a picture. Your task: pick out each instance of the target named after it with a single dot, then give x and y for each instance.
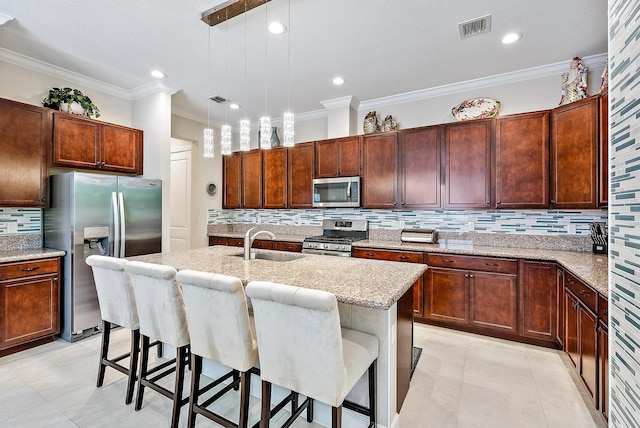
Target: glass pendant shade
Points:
(265, 132)
(289, 130)
(225, 139)
(208, 143)
(245, 135)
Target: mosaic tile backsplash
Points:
(624, 201)
(20, 220)
(538, 222)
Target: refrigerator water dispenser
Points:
(96, 240)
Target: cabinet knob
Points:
(488, 202)
(606, 312)
(498, 202)
(571, 281)
(553, 201)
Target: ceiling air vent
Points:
(219, 99)
(475, 26)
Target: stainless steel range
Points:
(336, 238)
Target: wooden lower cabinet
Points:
(603, 369)
(538, 300)
(493, 301)
(29, 303)
(264, 244)
(399, 256)
(446, 296)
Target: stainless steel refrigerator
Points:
(98, 214)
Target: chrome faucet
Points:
(248, 240)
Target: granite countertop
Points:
(367, 283)
(591, 268)
(279, 236)
(30, 254)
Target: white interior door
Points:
(180, 236)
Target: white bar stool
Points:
(220, 330)
(117, 306)
(162, 316)
(303, 348)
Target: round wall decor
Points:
(211, 189)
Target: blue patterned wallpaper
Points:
(538, 222)
(20, 220)
(624, 211)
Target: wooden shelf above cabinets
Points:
(80, 142)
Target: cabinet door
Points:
(232, 181)
(252, 179)
(420, 168)
(493, 301)
(300, 175)
(326, 153)
(571, 307)
(75, 142)
(603, 369)
(121, 149)
(274, 176)
(574, 141)
(29, 307)
(217, 240)
(560, 329)
(522, 161)
(25, 143)
(446, 296)
(603, 145)
(588, 366)
(468, 165)
(380, 171)
(538, 300)
(349, 156)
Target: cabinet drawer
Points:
(603, 308)
(395, 256)
(235, 242)
(22, 269)
(263, 244)
(217, 240)
(587, 295)
(295, 247)
(486, 264)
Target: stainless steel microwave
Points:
(336, 192)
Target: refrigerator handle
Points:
(116, 225)
(122, 225)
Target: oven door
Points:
(327, 252)
(336, 192)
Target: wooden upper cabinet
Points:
(467, 170)
(522, 161)
(574, 154)
(274, 176)
(380, 170)
(25, 142)
(79, 142)
(301, 159)
(232, 181)
(603, 145)
(252, 179)
(419, 177)
(338, 157)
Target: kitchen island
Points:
(373, 296)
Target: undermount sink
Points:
(274, 257)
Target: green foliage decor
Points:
(59, 96)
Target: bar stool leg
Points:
(133, 364)
(144, 364)
(181, 361)
(196, 370)
(336, 417)
(106, 334)
(265, 413)
(245, 389)
(372, 394)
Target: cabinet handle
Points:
(466, 275)
(488, 202)
(570, 281)
(369, 254)
(553, 201)
(448, 261)
(606, 312)
(404, 257)
(492, 264)
(584, 293)
(29, 269)
(574, 305)
(498, 202)
(471, 276)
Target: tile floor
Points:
(462, 380)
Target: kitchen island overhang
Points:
(373, 296)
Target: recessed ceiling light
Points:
(277, 27)
(234, 106)
(511, 38)
(338, 81)
(158, 74)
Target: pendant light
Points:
(265, 121)
(225, 130)
(288, 120)
(207, 144)
(245, 124)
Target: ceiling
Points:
(381, 47)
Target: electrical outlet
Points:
(571, 229)
(471, 226)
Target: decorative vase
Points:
(389, 124)
(371, 123)
(74, 108)
(275, 140)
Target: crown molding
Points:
(348, 101)
(150, 89)
(481, 83)
(4, 18)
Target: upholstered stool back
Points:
(300, 342)
(218, 318)
(159, 301)
(115, 294)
